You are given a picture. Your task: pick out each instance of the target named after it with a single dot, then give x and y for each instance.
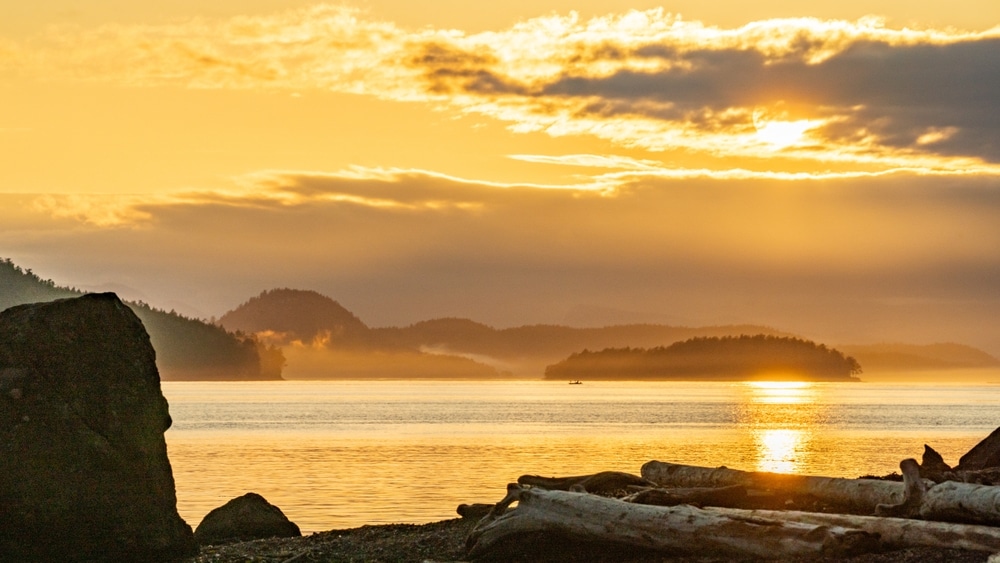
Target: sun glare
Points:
(783, 134)
(781, 392)
(778, 133)
(779, 450)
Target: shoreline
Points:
(444, 541)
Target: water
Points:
(341, 454)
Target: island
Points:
(758, 357)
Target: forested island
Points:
(726, 358)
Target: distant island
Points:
(725, 358)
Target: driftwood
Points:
(598, 483)
(855, 495)
(949, 501)
(684, 529)
(913, 493)
(893, 533)
(733, 497)
(475, 511)
(585, 518)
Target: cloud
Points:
(878, 222)
(869, 98)
(893, 257)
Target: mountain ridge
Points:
(186, 349)
(523, 351)
(528, 350)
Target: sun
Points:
(779, 134)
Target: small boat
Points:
(576, 382)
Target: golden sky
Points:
(831, 170)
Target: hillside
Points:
(913, 357)
(296, 315)
(728, 358)
(186, 349)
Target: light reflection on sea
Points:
(340, 454)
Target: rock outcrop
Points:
(984, 455)
(249, 517)
(84, 474)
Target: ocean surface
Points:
(341, 454)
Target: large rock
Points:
(84, 473)
(249, 517)
(984, 455)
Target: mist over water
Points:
(340, 454)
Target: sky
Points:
(831, 170)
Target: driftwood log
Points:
(855, 495)
(682, 529)
(617, 483)
(949, 501)
(732, 497)
(597, 483)
(893, 533)
(586, 518)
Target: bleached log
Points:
(598, 483)
(914, 489)
(581, 517)
(950, 501)
(684, 529)
(893, 533)
(860, 495)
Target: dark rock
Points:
(984, 455)
(933, 467)
(249, 517)
(84, 474)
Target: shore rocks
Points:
(933, 467)
(984, 455)
(249, 517)
(84, 474)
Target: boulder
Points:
(84, 474)
(249, 517)
(933, 467)
(984, 455)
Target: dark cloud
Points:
(448, 69)
(899, 94)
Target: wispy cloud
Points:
(918, 218)
(843, 96)
(932, 239)
(407, 244)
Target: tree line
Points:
(186, 348)
(713, 358)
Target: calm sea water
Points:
(341, 454)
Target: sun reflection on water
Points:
(781, 392)
(781, 417)
(779, 450)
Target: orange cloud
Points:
(841, 96)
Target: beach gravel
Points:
(442, 542)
